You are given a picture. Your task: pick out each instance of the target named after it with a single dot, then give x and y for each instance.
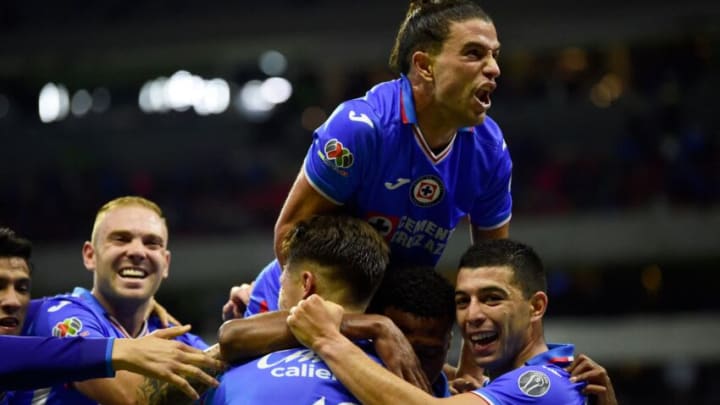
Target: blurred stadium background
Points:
(609, 109)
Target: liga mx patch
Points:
(534, 383)
(68, 327)
(341, 156)
(427, 191)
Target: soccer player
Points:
(128, 256)
(415, 155)
(500, 302)
(340, 258)
(32, 362)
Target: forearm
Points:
(32, 362)
(362, 326)
(254, 336)
(368, 381)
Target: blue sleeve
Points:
(343, 148)
(193, 340)
(34, 362)
(65, 318)
(266, 290)
(494, 208)
(533, 385)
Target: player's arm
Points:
(159, 392)
(303, 201)
(583, 368)
(268, 332)
(478, 233)
(316, 323)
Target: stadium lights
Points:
(182, 91)
(53, 103)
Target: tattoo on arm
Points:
(156, 392)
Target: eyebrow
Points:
(476, 44)
(485, 290)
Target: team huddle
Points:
(351, 310)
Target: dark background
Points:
(609, 110)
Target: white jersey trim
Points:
(496, 226)
(488, 400)
(322, 193)
(428, 150)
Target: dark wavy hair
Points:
(12, 245)
(427, 26)
(351, 248)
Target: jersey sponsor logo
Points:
(68, 327)
(534, 383)
(361, 118)
(339, 155)
(427, 191)
(401, 181)
(411, 233)
(295, 363)
(58, 307)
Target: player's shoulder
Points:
(377, 109)
(489, 134)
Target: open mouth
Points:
(483, 97)
(483, 338)
(133, 273)
(9, 322)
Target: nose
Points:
(136, 250)
(475, 315)
(491, 69)
(10, 301)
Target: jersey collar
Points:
(559, 354)
(90, 299)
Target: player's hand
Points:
(583, 368)
(162, 314)
(399, 357)
(237, 302)
(464, 383)
(168, 360)
(314, 319)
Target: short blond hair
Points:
(126, 201)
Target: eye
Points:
(493, 299)
(23, 287)
(461, 301)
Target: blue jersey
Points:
(542, 380)
(293, 376)
(371, 158)
(80, 314)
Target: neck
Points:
(437, 129)
(131, 314)
(536, 345)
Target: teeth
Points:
(132, 273)
(483, 335)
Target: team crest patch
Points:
(427, 191)
(384, 225)
(337, 153)
(68, 327)
(534, 383)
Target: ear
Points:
(538, 305)
(308, 281)
(422, 63)
(166, 273)
(88, 254)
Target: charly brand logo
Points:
(534, 383)
(335, 152)
(427, 191)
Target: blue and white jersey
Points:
(542, 380)
(80, 314)
(293, 376)
(371, 158)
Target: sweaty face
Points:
(14, 294)
(429, 338)
(493, 315)
(129, 256)
(464, 72)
